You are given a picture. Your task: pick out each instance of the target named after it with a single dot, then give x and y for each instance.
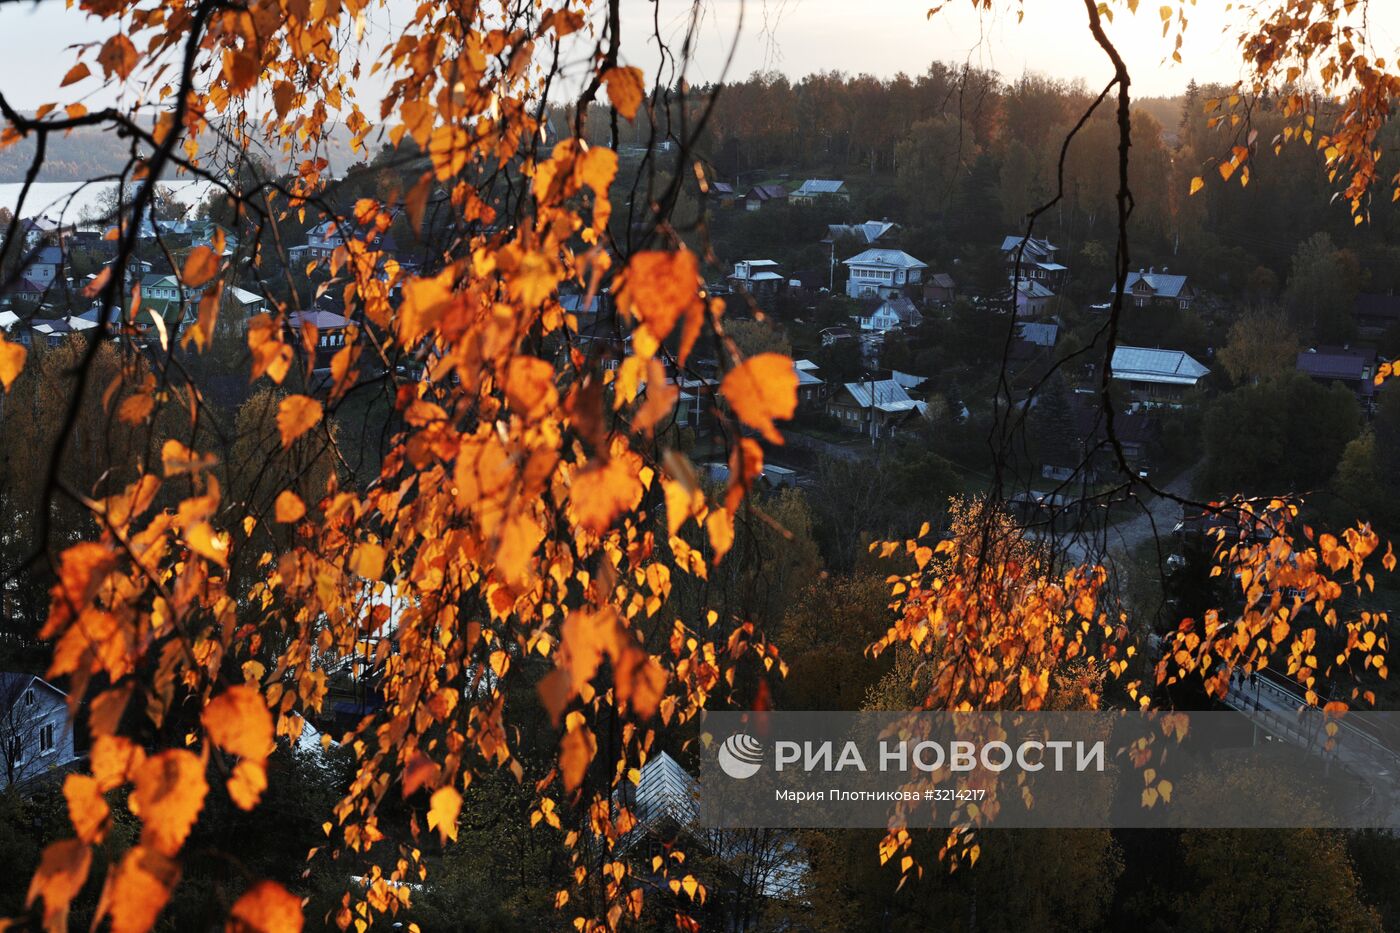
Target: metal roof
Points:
(1035, 246)
(1042, 335)
(890, 258)
(885, 394)
(1167, 367)
(1337, 363)
(821, 186)
(1161, 284)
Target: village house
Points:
(36, 230)
(1038, 259)
(246, 303)
(327, 331)
(51, 332)
(35, 734)
(1353, 367)
(29, 291)
(722, 193)
(1032, 298)
(940, 288)
(321, 241)
(758, 277)
(816, 189)
(1150, 286)
(759, 196)
(834, 335)
(876, 407)
(882, 272)
(1156, 377)
(811, 390)
(46, 267)
(891, 314)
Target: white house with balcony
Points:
(882, 272)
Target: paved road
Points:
(1109, 545)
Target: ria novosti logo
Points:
(741, 756)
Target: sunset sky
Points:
(881, 37)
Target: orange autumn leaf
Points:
(272, 356)
(12, 356)
(530, 386)
(520, 537)
(238, 721)
(137, 890)
(602, 492)
(658, 288)
(201, 265)
(266, 907)
(75, 74)
(117, 57)
(177, 459)
(247, 783)
(368, 560)
(760, 389)
(62, 871)
(87, 810)
(576, 750)
(297, 414)
(443, 809)
(169, 794)
(136, 408)
(661, 396)
(114, 760)
(719, 525)
(625, 89)
(288, 507)
(208, 542)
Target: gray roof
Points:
(1161, 284)
(1168, 367)
(1032, 288)
(821, 186)
(889, 258)
(12, 682)
(1042, 335)
(867, 233)
(321, 320)
(1035, 246)
(942, 280)
(767, 192)
(1337, 363)
(806, 373)
(885, 394)
(666, 790)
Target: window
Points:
(16, 750)
(46, 738)
(29, 697)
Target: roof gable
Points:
(886, 258)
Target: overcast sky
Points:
(881, 37)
